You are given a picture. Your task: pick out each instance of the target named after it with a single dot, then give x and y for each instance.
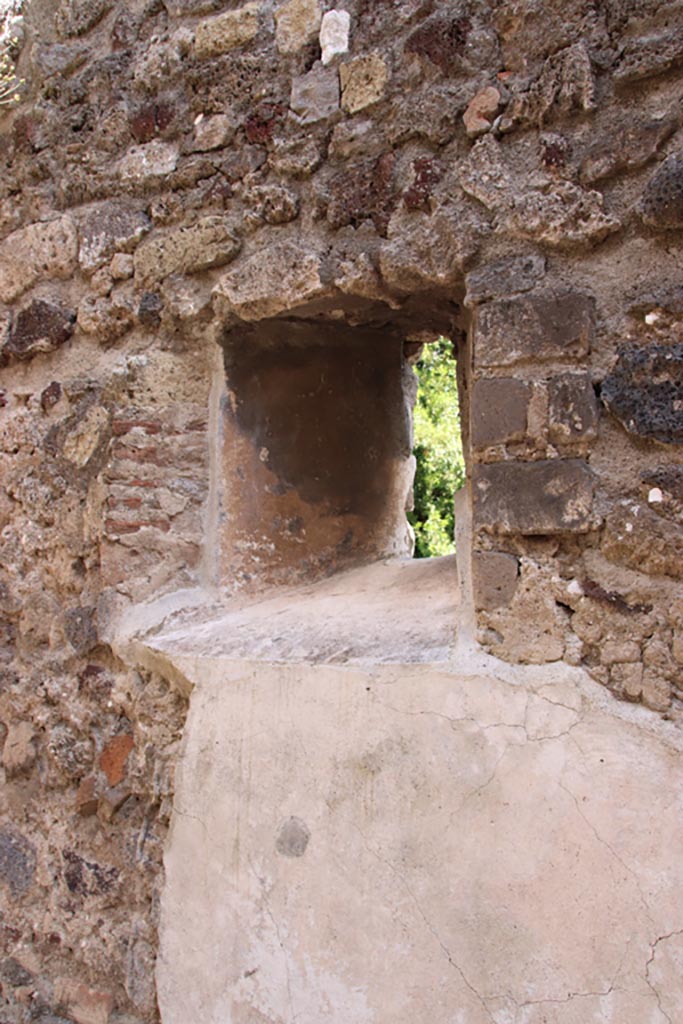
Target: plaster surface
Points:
(461, 842)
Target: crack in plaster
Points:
(269, 911)
(603, 842)
(655, 992)
(430, 927)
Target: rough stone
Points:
(366, 192)
(19, 751)
(334, 34)
(442, 40)
(154, 160)
(613, 652)
(363, 81)
(507, 276)
(297, 158)
(107, 229)
(209, 242)
(635, 536)
(41, 326)
(500, 408)
(628, 145)
(297, 23)
(566, 84)
(315, 96)
(661, 204)
(38, 252)
(226, 31)
(644, 391)
(85, 1005)
(542, 327)
(76, 17)
(80, 629)
(572, 409)
(272, 204)
(213, 132)
(121, 267)
(495, 576)
(529, 206)
(424, 251)
(150, 309)
(481, 111)
(108, 317)
(562, 216)
(17, 862)
(261, 288)
(547, 497)
(647, 56)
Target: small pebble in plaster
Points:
(575, 588)
(292, 838)
(651, 318)
(334, 34)
(655, 496)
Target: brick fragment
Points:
(114, 756)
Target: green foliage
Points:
(440, 468)
(9, 83)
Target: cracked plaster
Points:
(489, 845)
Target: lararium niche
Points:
(316, 466)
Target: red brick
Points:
(114, 756)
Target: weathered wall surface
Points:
(510, 171)
(420, 843)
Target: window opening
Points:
(438, 450)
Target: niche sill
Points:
(393, 612)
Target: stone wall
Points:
(510, 174)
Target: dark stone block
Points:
(649, 56)
(661, 204)
(80, 630)
(534, 328)
(494, 577)
(572, 409)
(644, 392)
(40, 327)
(635, 536)
(442, 40)
(149, 310)
(548, 497)
(17, 862)
(629, 144)
(504, 277)
(499, 411)
(50, 395)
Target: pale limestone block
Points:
(153, 160)
(315, 96)
(19, 752)
(297, 23)
(121, 266)
(36, 253)
(363, 81)
(334, 34)
(226, 31)
(210, 242)
(213, 132)
(287, 277)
